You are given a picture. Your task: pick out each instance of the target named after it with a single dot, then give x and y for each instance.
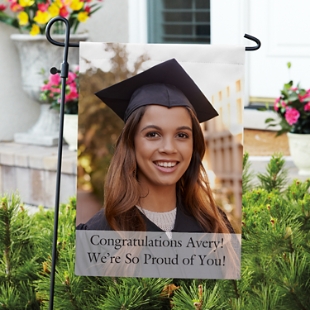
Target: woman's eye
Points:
(182, 135)
(152, 134)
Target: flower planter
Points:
(300, 151)
(37, 54)
(70, 133)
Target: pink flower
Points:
(307, 107)
(73, 93)
(306, 95)
(55, 90)
(87, 9)
(302, 97)
(16, 7)
(276, 104)
(55, 79)
(294, 88)
(43, 6)
(63, 12)
(46, 87)
(71, 77)
(291, 116)
(2, 7)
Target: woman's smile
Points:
(165, 164)
(163, 145)
(166, 167)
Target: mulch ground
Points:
(264, 143)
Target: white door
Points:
(283, 27)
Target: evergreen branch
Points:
(276, 174)
(246, 174)
(7, 239)
(234, 282)
(301, 306)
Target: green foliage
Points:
(134, 293)
(275, 260)
(4, 18)
(247, 175)
(275, 176)
(19, 265)
(198, 297)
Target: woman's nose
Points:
(167, 145)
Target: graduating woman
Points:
(156, 180)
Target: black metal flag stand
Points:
(64, 75)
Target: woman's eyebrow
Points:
(159, 128)
(151, 126)
(184, 128)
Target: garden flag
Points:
(115, 81)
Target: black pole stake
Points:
(64, 75)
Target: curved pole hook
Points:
(64, 66)
(48, 30)
(252, 48)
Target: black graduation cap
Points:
(165, 84)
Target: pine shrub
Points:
(275, 271)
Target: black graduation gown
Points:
(183, 223)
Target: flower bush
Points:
(31, 16)
(293, 108)
(51, 92)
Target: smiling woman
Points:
(163, 150)
(156, 180)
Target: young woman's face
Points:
(163, 145)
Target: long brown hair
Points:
(122, 188)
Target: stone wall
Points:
(31, 170)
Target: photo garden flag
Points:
(115, 80)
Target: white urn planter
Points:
(70, 133)
(45, 131)
(36, 53)
(300, 151)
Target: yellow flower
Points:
(42, 17)
(58, 3)
(35, 29)
(76, 5)
(66, 2)
(82, 17)
(23, 18)
(25, 3)
(54, 10)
